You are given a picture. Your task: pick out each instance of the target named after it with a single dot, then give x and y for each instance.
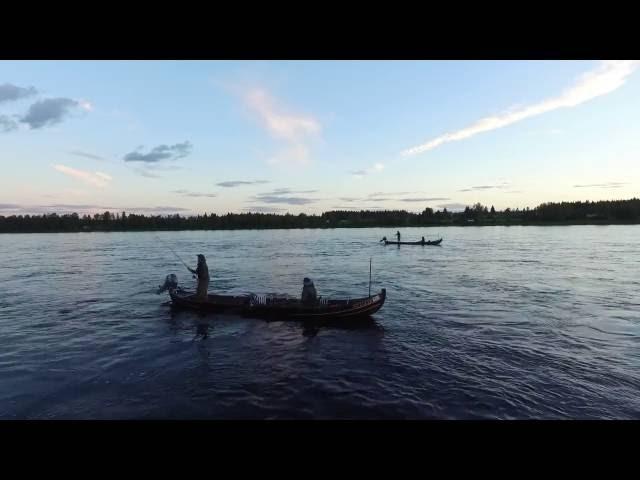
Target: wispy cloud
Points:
(287, 191)
(146, 173)
(603, 185)
(386, 194)
(160, 153)
(391, 197)
(607, 77)
(376, 168)
(85, 208)
(294, 129)
(426, 199)
(357, 209)
(282, 195)
(7, 123)
(9, 206)
(48, 112)
(9, 92)
(498, 186)
(161, 209)
(284, 200)
(263, 209)
(187, 193)
(237, 183)
(79, 153)
(97, 179)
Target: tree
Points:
(493, 210)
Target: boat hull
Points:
(420, 242)
(269, 307)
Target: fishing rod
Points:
(370, 276)
(172, 251)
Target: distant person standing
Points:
(398, 235)
(202, 271)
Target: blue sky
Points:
(233, 136)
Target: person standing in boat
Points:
(202, 271)
(309, 294)
(398, 235)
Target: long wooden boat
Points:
(419, 242)
(270, 306)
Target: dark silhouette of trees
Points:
(603, 212)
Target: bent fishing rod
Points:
(172, 251)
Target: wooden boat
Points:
(419, 242)
(271, 306)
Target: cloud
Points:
(155, 209)
(85, 105)
(607, 77)
(75, 205)
(7, 123)
(146, 173)
(385, 197)
(287, 191)
(453, 206)
(486, 187)
(237, 183)
(9, 93)
(187, 193)
(160, 153)
(9, 206)
(49, 111)
(85, 208)
(382, 194)
(282, 195)
(428, 199)
(87, 155)
(292, 128)
(356, 209)
(97, 179)
(603, 185)
(376, 168)
(285, 200)
(263, 209)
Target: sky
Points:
(189, 137)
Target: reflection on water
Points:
(498, 322)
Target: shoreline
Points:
(468, 225)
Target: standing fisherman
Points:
(398, 235)
(202, 271)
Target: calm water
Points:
(499, 322)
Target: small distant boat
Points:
(271, 306)
(419, 242)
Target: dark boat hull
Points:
(420, 242)
(267, 307)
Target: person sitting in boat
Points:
(398, 235)
(309, 294)
(202, 271)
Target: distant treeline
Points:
(601, 212)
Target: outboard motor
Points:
(170, 283)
